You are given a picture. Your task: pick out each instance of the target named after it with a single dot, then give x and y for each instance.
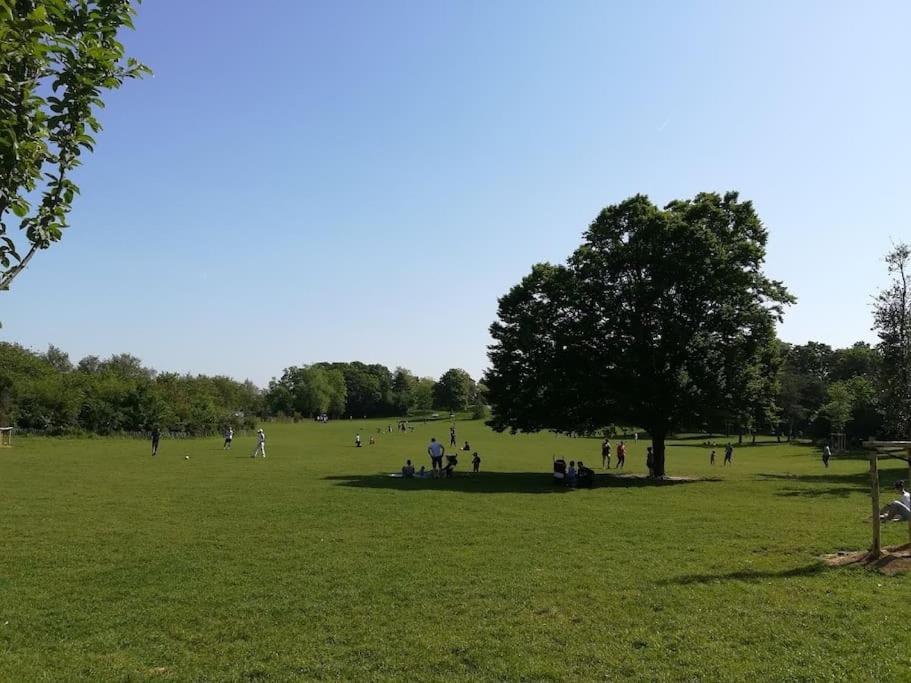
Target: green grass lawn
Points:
(312, 564)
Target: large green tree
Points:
(57, 58)
(892, 316)
(454, 390)
(658, 319)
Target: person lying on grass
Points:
(900, 508)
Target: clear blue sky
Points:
(308, 181)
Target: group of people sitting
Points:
(437, 452)
(573, 475)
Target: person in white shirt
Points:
(900, 508)
(229, 437)
(436, 450)
(260, 444)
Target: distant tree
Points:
(453, 391)
(57, 57)
(58, 359)
(644, 324)
(422, 394)
(858, 360)
(838, 408)
(402, 397)
(89, 364)
(892, 322)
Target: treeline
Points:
(360, 390)
(822, 390)
(810, 390)
(46, 392)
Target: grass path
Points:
(312, 564)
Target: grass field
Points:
(312, 564)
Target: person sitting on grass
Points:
(586, 475)
(475, 462)
(422, 473)
(571, 473)
(900, 508)
(408, 470)
(466, 447)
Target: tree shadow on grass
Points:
(834, 491)
(837, 485)
(746, 575)
(497, 482)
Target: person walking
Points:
(728, 455)
(621, 455)
(229, 438)
(156, 435)
(605, 453)
(826, 454)
(452, 436)
(260, 444)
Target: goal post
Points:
(6, 437)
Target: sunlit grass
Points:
(315, 564)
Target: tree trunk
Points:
(740, 439)
(658, 450)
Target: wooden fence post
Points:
(908, 487)
(876, 550)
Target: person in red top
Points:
(621, 455)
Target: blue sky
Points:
(357, 180)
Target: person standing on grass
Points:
(229, 437)
(476, 463)
(826, 454)
(260, 444)
(728, 455)
(650, 461)
(621, 455)
(436, 451)
(712, 457)
(357, 440)
(452, 437)
(156, 435)
(605, 453)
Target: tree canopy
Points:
(57, 57)
(661, 317)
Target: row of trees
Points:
(361, 390)
(47, 392)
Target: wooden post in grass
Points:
(908, 487)
(876, 550)
(900, 450)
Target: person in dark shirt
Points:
(156, 435)
(475, 462)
